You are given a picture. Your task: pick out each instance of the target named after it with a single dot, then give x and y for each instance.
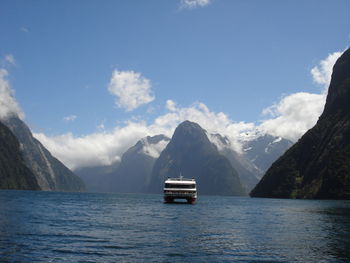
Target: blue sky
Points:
(235, 57)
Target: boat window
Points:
(186, 186)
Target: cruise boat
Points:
(180, 188)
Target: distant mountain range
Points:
(135, 172)
(247, 172)
(192, 152)
(318, 165)
(50, 174)
(132, 173)
(263, 150)
(258, 154)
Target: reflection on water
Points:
(72, 227)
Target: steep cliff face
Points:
(318, 165)
(192, 154)
(14, 174)
(49, 172)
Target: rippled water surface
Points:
(82, 227)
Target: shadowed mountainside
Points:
(49, 172)
(14, 174)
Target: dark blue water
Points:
(73, 227)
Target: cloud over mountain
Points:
(8, 103)
(100, 148)
(296, 113)
(106, 147)
(131, 89)
(321, 74)
(293, 115)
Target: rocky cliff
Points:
(14, 174)
(49, 172)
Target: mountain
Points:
(318, 165)
(246, 171)
(137, 163)
(263, 150)
(132, 173)
(14, 174)
(191, 154)
(259, 152)
(50, 173)
(99, 179)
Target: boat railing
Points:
(181, 179)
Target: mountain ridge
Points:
(51, 174)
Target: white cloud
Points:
(131, 89)
(170, 105)
(101, 148)
(293, 115)
(9, 58)
(211, 121)
(153, 150)
(190, 4)
(101, 126)
(8, 103)
(24, 29)
(70, 118)
(321, 74)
